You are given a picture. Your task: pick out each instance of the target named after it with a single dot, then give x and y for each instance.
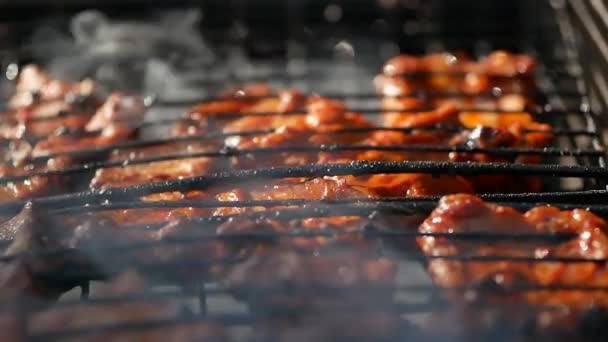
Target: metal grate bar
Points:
(102, 151)
(516, 200)
(357, 168)
(227, 153)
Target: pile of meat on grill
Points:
(53, 125)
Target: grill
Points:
(334, 49)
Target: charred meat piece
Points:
(91, 316)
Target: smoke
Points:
(125, 54)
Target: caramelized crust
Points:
(500, 71)
(42, 105)
(33, 186)
(18, 154)
(469, 214)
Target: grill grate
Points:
(579, 152)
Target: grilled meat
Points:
(31, 234)
(111, 134)
(35, 86)
(33, 186)
(451, 72)
(130, 312)
(43, 106)
(73, 120)
(17, 158)
(469, 214)
(518, 304)
(321, 124)
(156, 171)
(350, 283)
(514, 129)
(364, 325)
(499, 72)
(118, 108)
(289, 269)
(485, 137)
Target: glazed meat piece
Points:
(34, 232)
(591, 242)
(155, 215)
(319, 126)
(446, 115)
(499, 70)
(283, 280)
(465, 213)
(42, 106)
(65, 116)
(35, 86)
(453, 72)
(41, 185)
(157, 171)
(515, 118)
(469, 214)
(516, 323)
(210, 116)
(130, 312)
(112, 123)
(340, 270)
(111, 134)
(190, 167)
(18, 128)
(118, 108)
(365, 325)
(113, 129)
(34, 186)
(484, 137)
(514, 129)
(169, 249)
(183, 242)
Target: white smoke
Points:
(134, 55)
